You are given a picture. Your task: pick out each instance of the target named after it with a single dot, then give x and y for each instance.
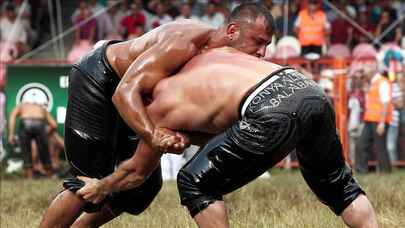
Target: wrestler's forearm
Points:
(132, 172)
(124, 178)
(130, 105)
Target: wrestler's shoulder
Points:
(184, 28)
(183, 24)
(179, 33)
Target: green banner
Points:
(43, 84)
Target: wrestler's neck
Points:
(218, 38)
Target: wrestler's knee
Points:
(73, 185)
(360, 213)
(337, 189)
(192, 195)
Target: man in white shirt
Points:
(108, 23)
(12, 30)
(355, 124)
(161, 16)
(211, 17)
(185, 12)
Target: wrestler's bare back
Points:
(33, 111)
(179, 33)
(205, 95)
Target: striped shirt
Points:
(396, 95)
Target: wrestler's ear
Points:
(233, 30)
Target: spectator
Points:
(346, 7)
(393, 128)
(285, 23)
(185, 12)
(172, 9)
(359, 5)
(221, 7)
(139, 31)
(40, 21)
(362, 20)
(91, 5)
(26, 13)
(212, 17)
(12, 31)
(394, 35)
(95, 7)
(109, 22)
(341, 30)
(130, 22)
(312, 29)
(199, 6)
(8, 52)
(377, 116)
(356, 111)
(143, 5)
(26, 20)
(125, 5)
(85, 26)
(161, 17)
(98, 12)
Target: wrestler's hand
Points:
(166, 140)
(92, 191)
(176, 146)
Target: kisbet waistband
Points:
(259, 87)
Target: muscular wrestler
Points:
(259, 112)
(33, 126)
(106, 96)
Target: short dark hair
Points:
(9, 6)
(250, 12)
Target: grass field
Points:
(284, 200)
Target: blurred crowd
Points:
(316, 27)
(321, 27)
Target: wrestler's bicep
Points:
(159, 61)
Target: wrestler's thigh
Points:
(90, 126)
(323, 166)
(221, 166)
(88, 156)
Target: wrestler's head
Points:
(250, 28)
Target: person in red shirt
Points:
(362, 20)
(132, 21)
(341, 30)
